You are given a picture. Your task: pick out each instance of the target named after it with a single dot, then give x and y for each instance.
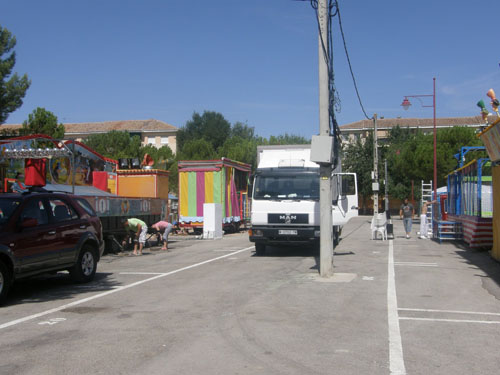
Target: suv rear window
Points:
(86, 206)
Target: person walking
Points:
(424, 225)
(140, 229)
(406, 212)
(166, 227)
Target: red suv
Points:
(45, 232)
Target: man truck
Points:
(285, 200)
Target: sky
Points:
(253, 61)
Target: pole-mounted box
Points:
(322, 149)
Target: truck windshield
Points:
(294, 187)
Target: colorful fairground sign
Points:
(490, 136)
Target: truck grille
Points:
(288, 218)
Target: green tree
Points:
(211, 126)
(173, 178)
(115, 144)
(410, 157)
(41, 121)
(243, 131)
(197, 149)
(288, 139)
(163, 157)
(13, 89)
(400, 155)
(240, 149)
(358, 158)
(449, 142)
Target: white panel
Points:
(212, 221)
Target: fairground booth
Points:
(221, 181)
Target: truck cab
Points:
(285, 201)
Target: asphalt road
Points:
(212, 307)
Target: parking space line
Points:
(118, 289)
(449, 311)
(141, 273)
(415, 264)
(396, 359)
(452, 320)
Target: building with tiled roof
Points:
(154, 132)
(360, 129)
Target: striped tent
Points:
(210, 181)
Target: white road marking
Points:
(396, 359)
(452, 320)
(369, 278)
(142, 273)
(53, 321)
(450, 311)
(415, 264)
(341, 351)
(118, 289)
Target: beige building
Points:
(349, 133)
(154, 132)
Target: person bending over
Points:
(166, 227)
(140, 229)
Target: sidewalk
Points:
(446, 300)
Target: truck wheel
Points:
(260, 249)
(84, 269)
(5, 282)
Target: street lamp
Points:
(406, 104)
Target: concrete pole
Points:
(325, 191)
(375, 166)
(386, 184)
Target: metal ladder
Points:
(427, 195)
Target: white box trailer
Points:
(285, 198)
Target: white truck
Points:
(285, 200)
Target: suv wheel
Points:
(5, 281)
(84, 269)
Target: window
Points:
(151, 140)
(164, 140)
(7, 208)
(86, 206)
(283, 186)
(62, 211)
(35, 209)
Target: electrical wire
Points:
(327, 47)
(334, 100)
(349, 62)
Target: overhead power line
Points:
(327, 46)
(349, 63)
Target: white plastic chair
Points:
(379, 225)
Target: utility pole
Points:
(325, 170)
(386, 187)
(375, 185)
(390, 228)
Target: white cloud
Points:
(479, 84)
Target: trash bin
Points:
(390, 230)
